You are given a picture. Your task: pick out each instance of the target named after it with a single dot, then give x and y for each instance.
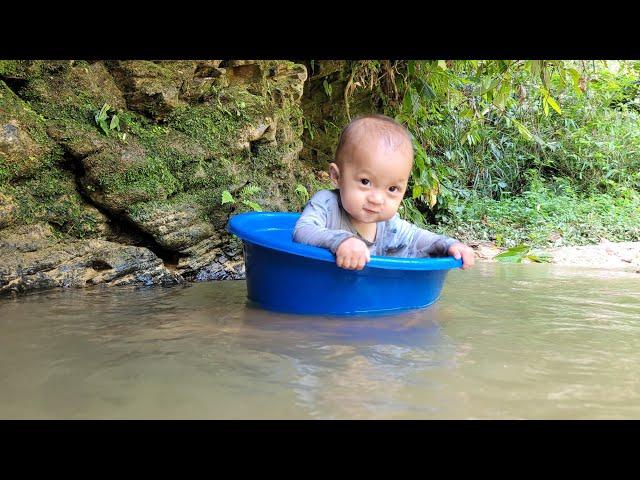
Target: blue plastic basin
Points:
(287, 276)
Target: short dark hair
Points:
(384, 126)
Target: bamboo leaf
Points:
(535, 67)
(541, 258)
(522, 129)
(554, 104)
(545, 105)
(433, 197)
(508, 258)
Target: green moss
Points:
(5, 174)
(36, 158)
(185, 161)
(8, 67)
(66, 95)
(140, 126)
(52, 197)
(153, 178)
(209, 126)
(183, 200)
(213, 124)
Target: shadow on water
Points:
(418, 328)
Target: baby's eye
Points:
(393, 189)
(364, 181)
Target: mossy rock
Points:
(25, 147)
(176, 224)
(34, 258)
(74, 92)
(7, 210)
(152, 88)
(52, 197)
(118, 178)
(189, 130)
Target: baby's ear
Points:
(334, 173)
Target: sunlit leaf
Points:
(253, 205)
(522, 129)
(115, 123)
(514, 254)
(553, 104)
(104, 126)
(227, 198)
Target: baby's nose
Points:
(375, 197)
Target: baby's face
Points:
(372, 180)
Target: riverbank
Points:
(610, 255)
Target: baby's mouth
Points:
(370, 211)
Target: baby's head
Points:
(372, 167)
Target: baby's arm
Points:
(423, 243)
(311, 227)
(420, 242)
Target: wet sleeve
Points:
(421, 242)
(311, 227)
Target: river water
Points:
(503, 342)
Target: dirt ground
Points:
(610, 255)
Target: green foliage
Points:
(51, 197)
(226, 197)
(408, 211)
(245, 193)
(309, 127)
(328, 89)
(253, 205)
(521, 252)
(489, 136)
(108, 122)
(153, 177)
(302, 193)
(249, 190)
(548, 213)
(8, 67)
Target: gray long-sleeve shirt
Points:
(324, 223)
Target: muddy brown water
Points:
(502, 342)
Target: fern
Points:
(253, 205)
(249, 190)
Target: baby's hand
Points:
(458, 250)
(352, 254)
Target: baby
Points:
(372, 167)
